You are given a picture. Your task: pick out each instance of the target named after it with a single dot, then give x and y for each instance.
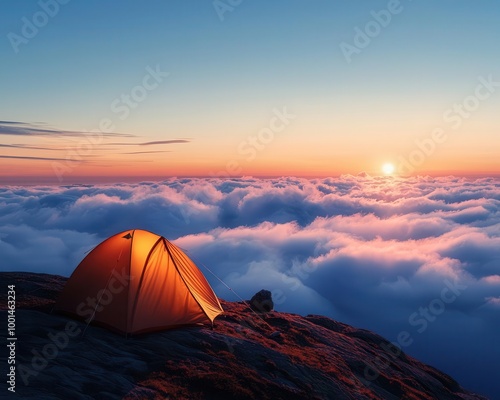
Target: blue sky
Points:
(227, 75)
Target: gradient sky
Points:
(227, 76)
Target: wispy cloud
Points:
(34, 158)
(15, 128)
(148, 152)
(41, 130)
(165, 142)
(26, 146)
(151, 143)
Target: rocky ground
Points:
(245, 356)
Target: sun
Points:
(388, 169)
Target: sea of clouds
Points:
(416, 260)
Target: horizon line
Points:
(31, 180)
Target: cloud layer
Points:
(415, 259)
(15, 128)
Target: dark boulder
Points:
(262, 301)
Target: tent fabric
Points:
(137, 281)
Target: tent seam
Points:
(184, 281)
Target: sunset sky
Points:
(171, 112)
(261, 88)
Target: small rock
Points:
(262, 301)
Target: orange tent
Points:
(137, 281)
